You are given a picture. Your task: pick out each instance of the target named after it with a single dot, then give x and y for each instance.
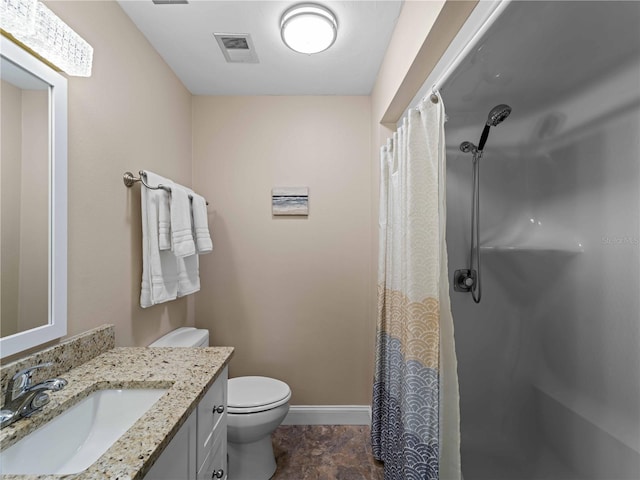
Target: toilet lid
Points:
(183, 337)
(256, 394)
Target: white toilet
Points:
(256, 406)
(184, 337)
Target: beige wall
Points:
(412, 28)
(10, 173)
(132, 113)
(34, 212)
(291, 294)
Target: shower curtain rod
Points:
(477, 36)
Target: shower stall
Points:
(549, 360)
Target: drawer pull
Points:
(218, 474)
(218, 409)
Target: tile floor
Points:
(324, 452)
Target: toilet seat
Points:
(256, 394)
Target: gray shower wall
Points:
(549, 361)
(587, 378)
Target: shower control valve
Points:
(464, 280)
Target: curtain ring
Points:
(434, 95)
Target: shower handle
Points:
(464, 280)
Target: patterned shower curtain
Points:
(415, 424)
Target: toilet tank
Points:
(184, 337)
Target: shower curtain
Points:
(415, 413)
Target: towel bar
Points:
(129, 180)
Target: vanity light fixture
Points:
(40, 30)
(18, 17)
(308, 28)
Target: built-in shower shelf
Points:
(534, 249)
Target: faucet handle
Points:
(27, 372)
(22, 380)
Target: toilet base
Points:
(251, 461)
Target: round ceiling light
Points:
(308, 28)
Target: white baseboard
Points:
(328, 415)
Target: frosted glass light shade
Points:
(41, 30)
(308, 28)
(18, 16)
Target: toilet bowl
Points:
(255, 408)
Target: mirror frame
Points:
(56, 325)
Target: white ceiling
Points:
(183, 36)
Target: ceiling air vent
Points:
(170, 2)
(237, 47)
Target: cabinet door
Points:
(215, 465)
(178, 461)
(212, 414)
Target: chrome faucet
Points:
(22, 399)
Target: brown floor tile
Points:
(324, 452)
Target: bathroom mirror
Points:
(33, 201)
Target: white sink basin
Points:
(75, 439)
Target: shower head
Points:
(496, 116)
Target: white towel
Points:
(188, 267)
(159, 268)
(164, 223)
(200, 224)
(188, 275)
(182, 243)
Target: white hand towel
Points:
(200, 224)
(164, 223)
(182, 243)
(188, 275)
(159, 268)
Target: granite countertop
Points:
(186, 372)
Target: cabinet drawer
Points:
(215, 465)
(210, 418)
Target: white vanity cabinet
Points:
(199, 449)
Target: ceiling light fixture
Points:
(308, 28)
